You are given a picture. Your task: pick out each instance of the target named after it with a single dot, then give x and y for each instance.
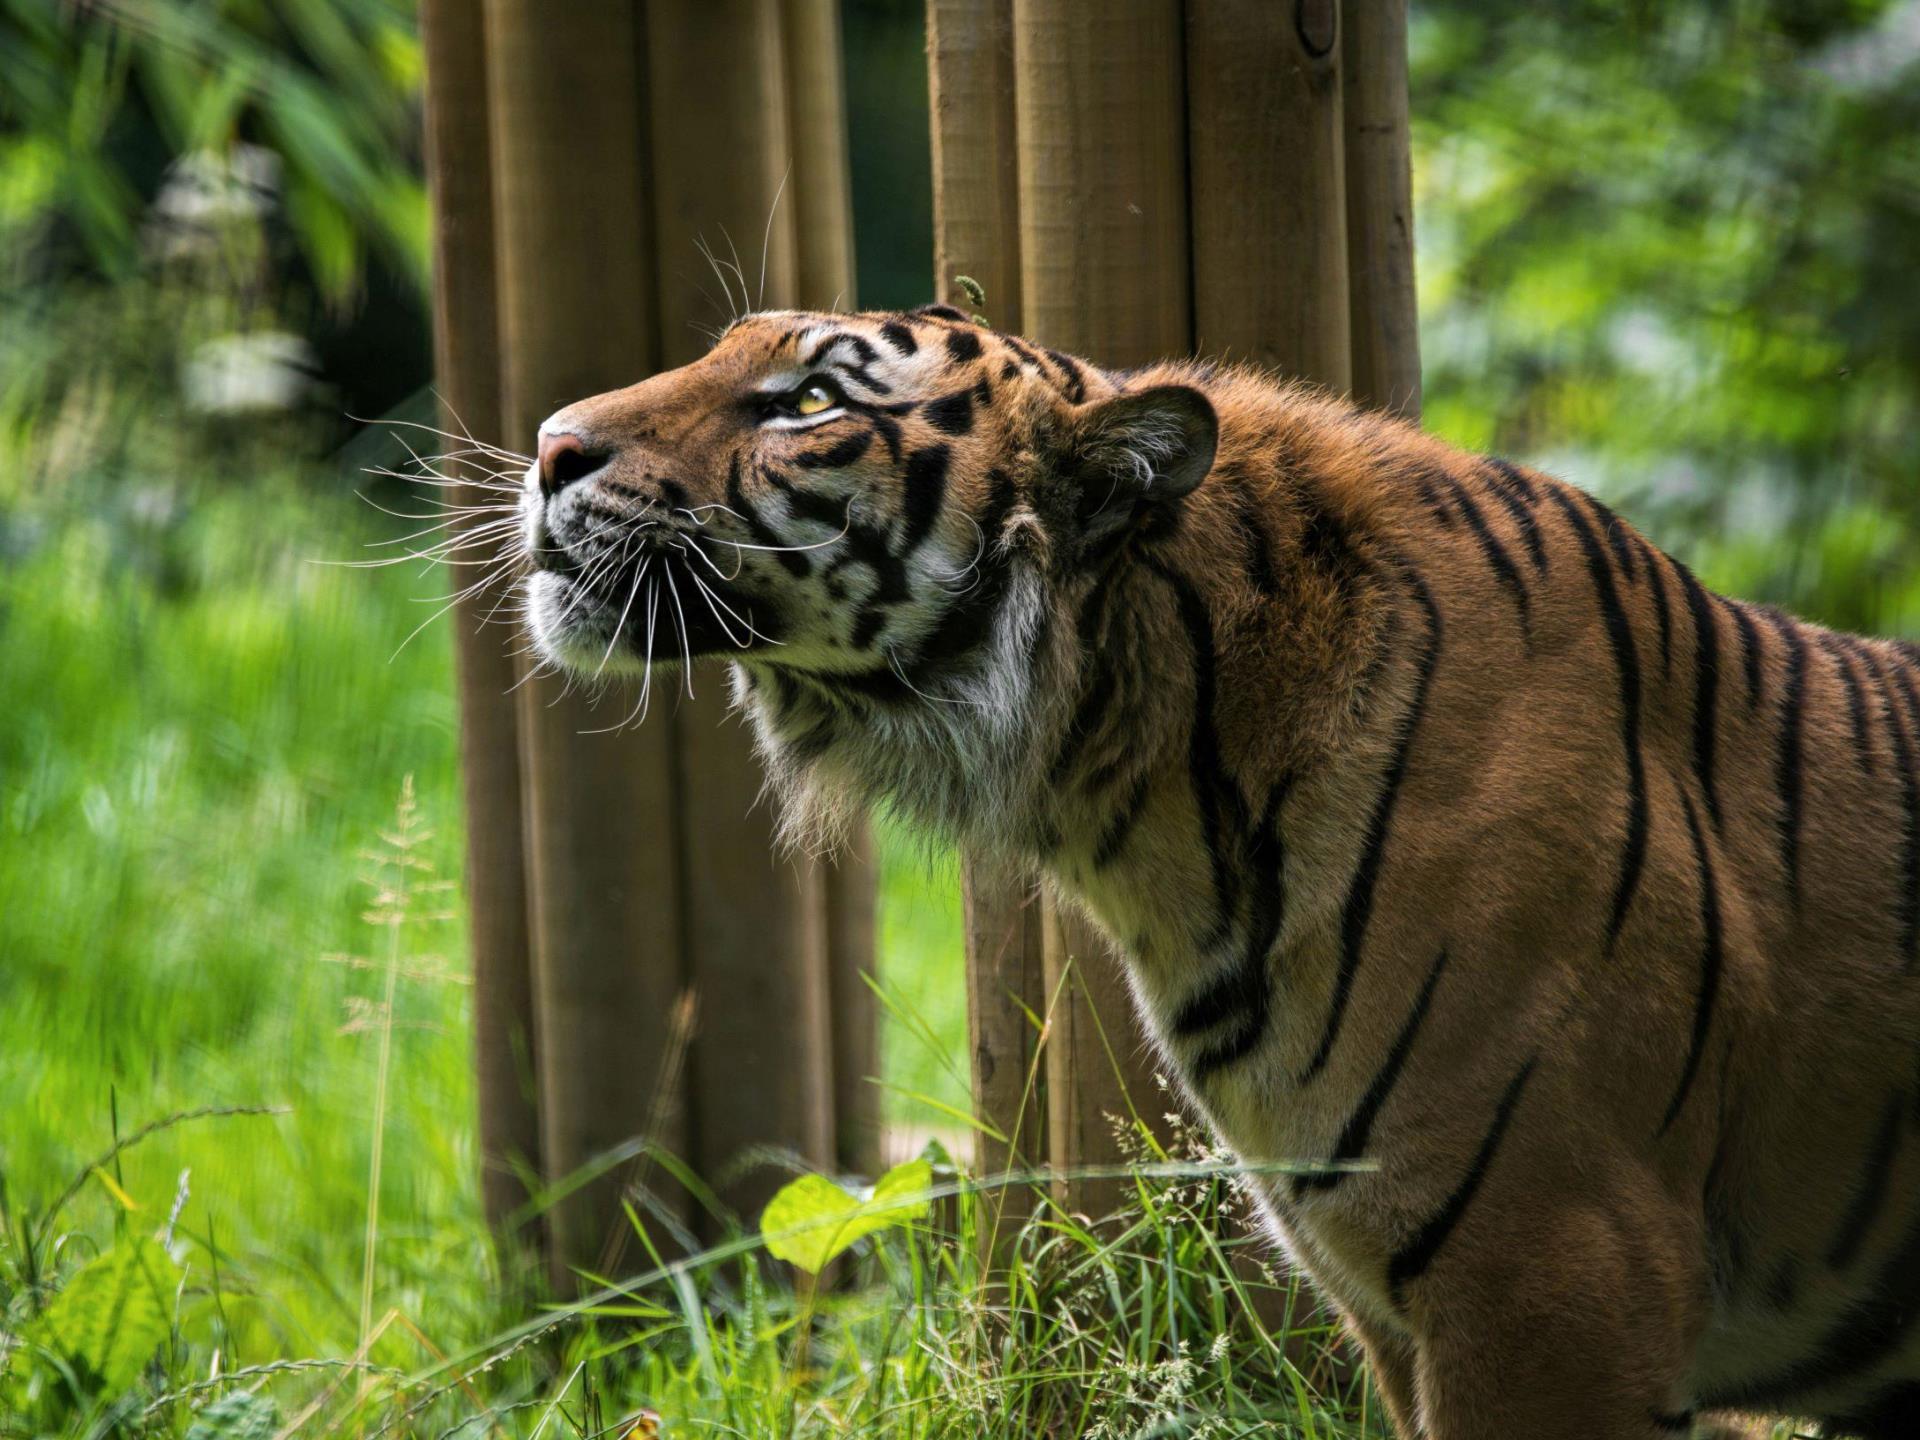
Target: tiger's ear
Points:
(1137, 451)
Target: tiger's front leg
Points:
(1569, 1324)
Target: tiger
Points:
(1554, 917)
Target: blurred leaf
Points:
(239, 1416)
(811, 1219)
(111, 1314)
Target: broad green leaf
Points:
(239, 1416)
(112, 1314)
(811, 1219)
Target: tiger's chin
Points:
(574, 631)
(583, 634)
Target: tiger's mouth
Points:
(650, 595)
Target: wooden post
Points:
(977, 233)
(1005, 923)
(1098, 106)
(1269, 186)
(819, 188)
(757, 922)
(577, 316)
(1099, 1079)
(1099, 112)
(649, 891)
(1188, 179)
(467, 364)
(976, 178)
(819, 185)
(1386, 328)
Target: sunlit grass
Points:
(206, 734)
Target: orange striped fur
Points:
(1445, 826)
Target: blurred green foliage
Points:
(98, 97)
(1666, 249)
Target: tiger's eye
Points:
(813, 400)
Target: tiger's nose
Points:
(565, 458)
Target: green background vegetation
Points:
(1665, 250)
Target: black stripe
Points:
(1022, 349)
(968, 622)
(1075, 388)
(1207, 770)
(884, 421)
(1619, 539)
(1352, 1144)
(1491, 548)
(1856, 699)
(1089, 628)
(899, 334)
(1706, 687)
(1662, 608)
(1253, 534)
(1907, 901)
(828, 510)
(1511, 489)
(1783, 1287)
(1422, 476)
(1413, 1259)
(1750, 652)
(861, 375)
(952, 414)
(792, 561)
(815, 742)
(1245, 994)
(842, 452)
(1870, 1195)
(814, 356)
(1788, 760)
(1358, 909)
(1905, 742)
(867, 625)
(1114, 838)
(1681, 1420)
(926, 489)
(1867, 1333)
(1633, 853)
(962, 346)
(1711, 954)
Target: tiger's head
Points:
(886, 522)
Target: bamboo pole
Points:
(1100, 1083)
(757, 923)
(977, 233)
(1005, 923)
(1099, 107)
(976, 181)
(1266, 123)
(1385, 316)
(819, 187)
(577, 317)
(467, 367)
(1269, 186)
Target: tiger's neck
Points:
(1236, 692)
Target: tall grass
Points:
(197, 763)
